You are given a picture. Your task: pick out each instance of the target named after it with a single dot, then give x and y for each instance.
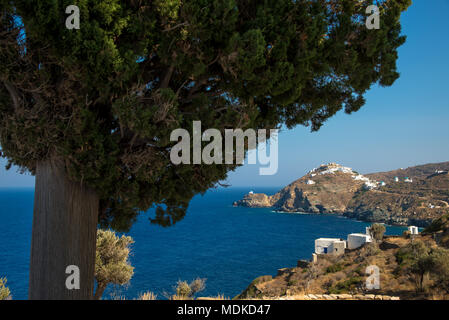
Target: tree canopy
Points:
(103, 99)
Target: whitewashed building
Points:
(356, 240)
(370, 185)
(330, 246)
(310, 182)
(413, 230)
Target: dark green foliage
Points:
(334, 268)
(412, 252)
(347, 286)
(359, 271)
(417, 260)
(105, 98)
(440, 267)
(440, 224)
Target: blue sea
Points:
(226, 245)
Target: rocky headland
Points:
(412, 196)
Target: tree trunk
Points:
(99, 292)
(64, 233)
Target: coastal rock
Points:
(255, 200)
(335, 189)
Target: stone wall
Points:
(337, 297)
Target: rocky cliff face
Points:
(327, 189)
(335, 189)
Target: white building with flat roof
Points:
(330, 246)
(356, 240)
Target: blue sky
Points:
(400, 126)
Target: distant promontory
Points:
(412, 196)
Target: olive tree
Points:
(111, 264)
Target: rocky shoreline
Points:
(417, 199)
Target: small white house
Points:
(407, 179)
(356, 240)
(396, 179)
(413, 230)
(383, 184)
(369, 185)
(310, 182)
(330, 246)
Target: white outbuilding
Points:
(356, 240)
(330, 246)
(413, 230)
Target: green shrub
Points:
(346, 286)
(334, 268)
(359, 271)
(415, 259)
(439, 267)
(439, 224)
(186, 290)
(292, 282)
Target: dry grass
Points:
(220, 297)
(148, 296)
(178, 297)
